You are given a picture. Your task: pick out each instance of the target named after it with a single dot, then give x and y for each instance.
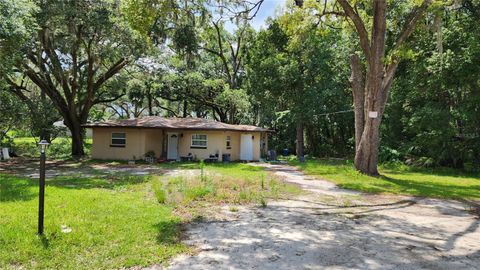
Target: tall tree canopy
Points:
(291, 70)
(76, 47)
(321, 75)
(382, 55)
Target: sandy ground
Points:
(331, 228)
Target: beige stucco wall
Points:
(216, 144)
(153, 141)
(140, 141)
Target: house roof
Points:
(173, 123)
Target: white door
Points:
(172, 148)
(246, 147)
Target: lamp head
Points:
(43, 145)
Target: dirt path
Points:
(331, 228)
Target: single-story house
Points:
(177, 139)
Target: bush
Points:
(426, 162)
(150, 154)
(198, 192)
(159, 191)
(263, 202)
(387, 154)
(60, 148)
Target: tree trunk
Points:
(77, 145)
(185, 108)
(358, 92)
(366, 154)
(75, 127)
(150, 103)
(232, 115)
(300, 143)
(379, 77)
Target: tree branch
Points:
(410, 26)
(107, 100)
(110, 72)
(406, 32)
(359, 25)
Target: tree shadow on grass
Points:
(435, 189)
(441, 172)
(16, 189)
(170, 232)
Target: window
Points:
(118, 139)
(229, 142)
(199, 141)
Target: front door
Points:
(246, 147)
(172, 146)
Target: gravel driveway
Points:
(331, 228)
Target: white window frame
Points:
(192, 145)
(117, 138)
(228, 142)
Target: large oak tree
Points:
(370, 86)
(76, 47)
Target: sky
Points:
(268, 9)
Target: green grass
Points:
(115, 223)
(398, 179)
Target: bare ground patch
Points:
(332, 228)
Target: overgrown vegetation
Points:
(397, 178)
(222, 183)
(59, 148)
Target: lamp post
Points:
(41, 194)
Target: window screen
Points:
(118, 139)
(229, 142)
(199, 141)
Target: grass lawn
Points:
(438, 182)
(116, 221)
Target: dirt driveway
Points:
(331, 228)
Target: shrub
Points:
(387, 154)
(198, 192)
(263, 202)
(150, 154)
(159, 191)
(60, 148)
(202, 171)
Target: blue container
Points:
(226, 158)
(285, 152)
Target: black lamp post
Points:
(41, 194)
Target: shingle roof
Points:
(174, 123)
